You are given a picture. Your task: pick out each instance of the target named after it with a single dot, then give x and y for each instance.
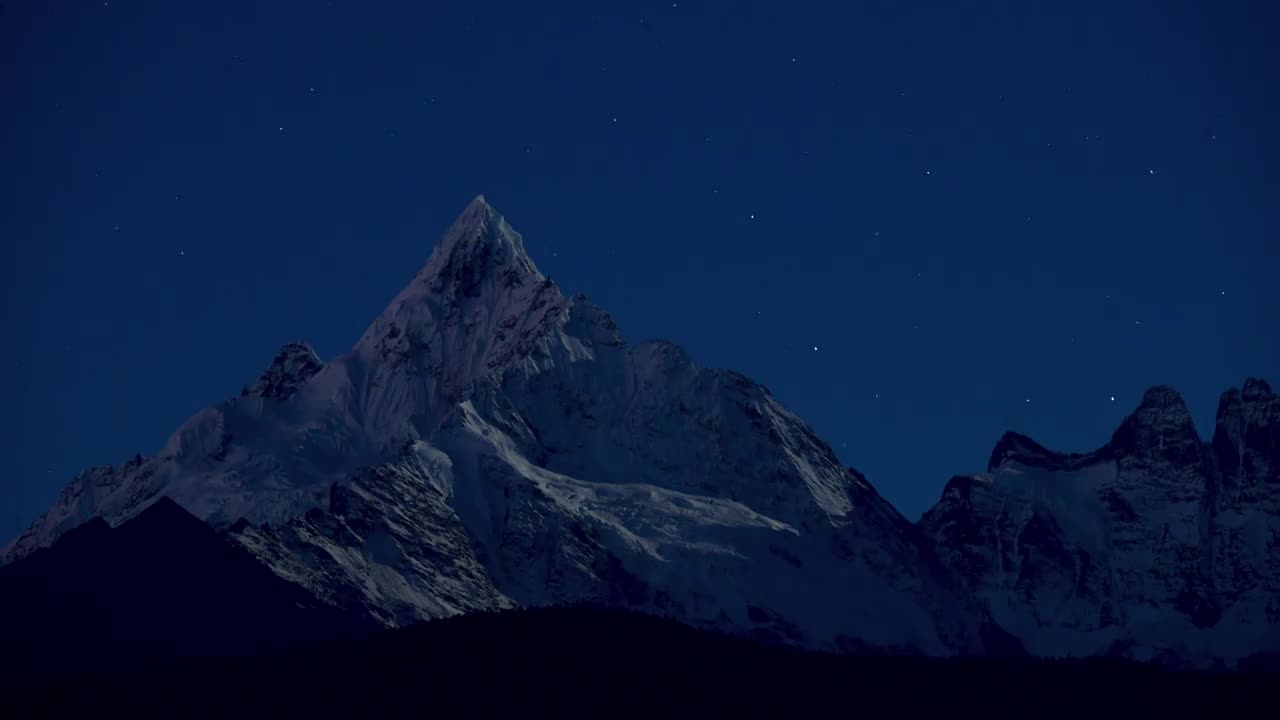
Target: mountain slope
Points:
(1157, 545)
(273, 452)
(489, 443)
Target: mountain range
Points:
(1156, 546)
(490, 443)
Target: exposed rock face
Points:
(294, 365)
(1155, 546)
(489, 442)
(388, 546)
(1244, 567)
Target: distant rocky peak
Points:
(1015, 447)
(293, 366)
(1246, 438)
(1256, 398)
(1257, 390)
(1022, 450)
(1164, 400)
(591, 322)
(1162, 409)
(1160, 427)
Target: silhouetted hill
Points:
(602, 663)
(160, 587)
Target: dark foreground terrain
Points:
(592, 662)
(162, 617)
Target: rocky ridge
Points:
(1156, 546)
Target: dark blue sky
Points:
(962, 205)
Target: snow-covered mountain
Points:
(489, 442)
(1157, 545)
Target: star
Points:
(751, 216)
(877, 233)
(926, 172)
(615, 119)
(282, 129)
(1137, 322)
(182, 253)
(117, 228)
(815, 348)
(1151, 172)
(1028, 401)
(1224, 292)
(793, 59)
(876, 396)
(1113, 398)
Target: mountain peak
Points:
(1162, 407)
(479, 242)
(480, 258)
(1018, 448)
(1162, 397)
(1255, 392)
(477, 305)
(1160, 425)
(1246, 440)
(294, 365)
(1255, 388)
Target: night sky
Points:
(920, 225)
